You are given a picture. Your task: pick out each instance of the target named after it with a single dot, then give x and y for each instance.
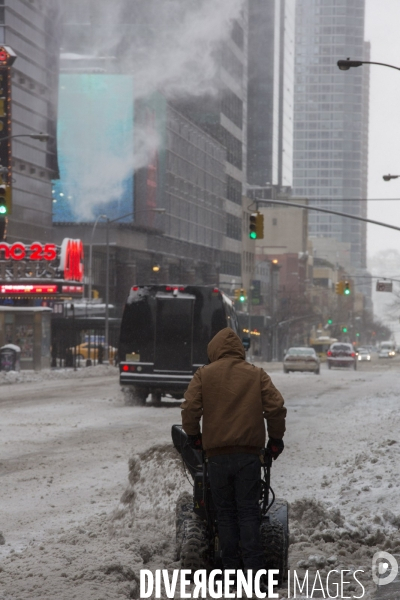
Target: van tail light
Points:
(353, 354)
(329, 353)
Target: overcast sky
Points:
(382, 30)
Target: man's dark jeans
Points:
(235, 481)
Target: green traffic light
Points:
(344, 329)
(242, 298)
(330, 321)
(253, 235)
(3, 209)
(347, 292)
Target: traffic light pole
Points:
(327, 211)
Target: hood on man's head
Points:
(225, 343)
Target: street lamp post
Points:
(107, 299)
(91, 254)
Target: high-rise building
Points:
(270, 92)
(31, 30)
(331, 119)
(224, 117)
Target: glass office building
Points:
(270, 92)
(331, 118)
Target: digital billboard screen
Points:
(95, 148)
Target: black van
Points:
(164, 334)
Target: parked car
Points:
(82, 352)
(301, 359)
(363, 354)
(341, 354)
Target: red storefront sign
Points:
(71, 259)
(35, 251)
(28, 289)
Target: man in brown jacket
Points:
(233, 397)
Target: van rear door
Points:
(174, 332)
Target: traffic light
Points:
(330, 321)
(339, 287)
(347, 290)
(344, 329)
(253, 226)
(242, 296)
(256, 226)
(5, 200)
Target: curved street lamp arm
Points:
(381, 64)
(42, 137)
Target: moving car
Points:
(341, 354)
(301, 359)
(386, 353)
(387, 349)
(363, 354)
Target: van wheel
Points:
(156, 398)
(135, 396)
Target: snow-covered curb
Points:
(29, 376)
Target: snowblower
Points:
(197, 540)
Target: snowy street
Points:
(88, 485)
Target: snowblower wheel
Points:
(183, 511)
(191, 535)
(275, 538)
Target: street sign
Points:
(384, 286)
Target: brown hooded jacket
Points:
(233, 397)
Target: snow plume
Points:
(166, 46)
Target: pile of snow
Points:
(29, 376)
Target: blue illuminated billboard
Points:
(95, 148)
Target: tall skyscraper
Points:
(331, 118)
(270, 92)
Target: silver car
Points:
(301, 359)
(363, 354)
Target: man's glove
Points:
(195, 441)
(275, 447)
